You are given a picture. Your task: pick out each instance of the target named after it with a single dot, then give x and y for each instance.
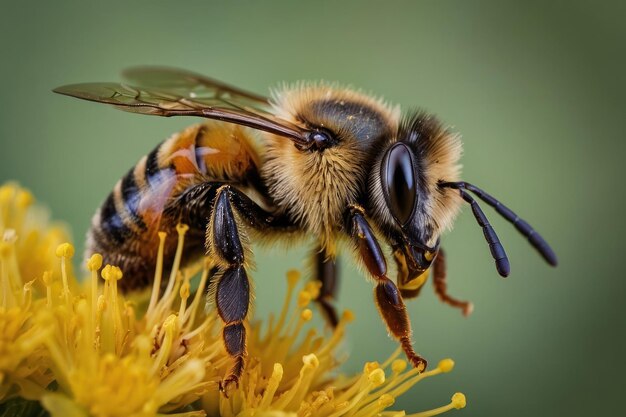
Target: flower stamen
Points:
(457, 402)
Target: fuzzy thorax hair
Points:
(314, 187)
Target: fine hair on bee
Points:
(315, 163)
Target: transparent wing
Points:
(167, 92)
(184, 82)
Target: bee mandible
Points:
(315, 162)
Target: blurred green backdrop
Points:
(536, 88)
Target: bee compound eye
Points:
(399, 182)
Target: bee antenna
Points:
(522, 226)
(495, 247)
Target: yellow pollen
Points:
(169, 322)
(306, 315)
(311, 360)
(347, 316)
(459, 401)
(95, 262)
(370, 367)
(293, 276)
(111, 273)
(313, 288)
(445, 365)
(184, 290)
(304, 298)
(386, 400)
(65, 250)
(182, 228)
(277, 372)
(399, 365)
(47, 278)
(377, 377)
(102, 303)
(184, 295)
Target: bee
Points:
(313, 162)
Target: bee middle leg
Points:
(326, 271)
(388, 298)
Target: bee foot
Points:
(228, 384)
(419, 363)
(468, 309)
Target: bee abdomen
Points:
(121, 219)
(110, 222)
(145, 201)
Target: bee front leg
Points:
(441, 287)
(388, 298)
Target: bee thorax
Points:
(314, 188)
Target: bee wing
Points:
(187, 82)
(177, 93)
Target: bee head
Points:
(406, 200)
(416, 195)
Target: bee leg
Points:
(233, 288)
(224, 245)
(441, 287)
(326, 272)
(387, 296)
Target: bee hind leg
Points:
(232, 293)
(388, 298)
(441, 286)
(226, 243)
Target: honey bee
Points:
(313, 162)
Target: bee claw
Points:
(226, 385)
(468, 309)
(419, 363)
(416, 360)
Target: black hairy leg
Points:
(232, 295)
(326, 271)
(387, 296)
(226, 247)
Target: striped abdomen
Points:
(124, 229)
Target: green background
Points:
(536, 89)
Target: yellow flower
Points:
(26, 253)
(108, 354)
